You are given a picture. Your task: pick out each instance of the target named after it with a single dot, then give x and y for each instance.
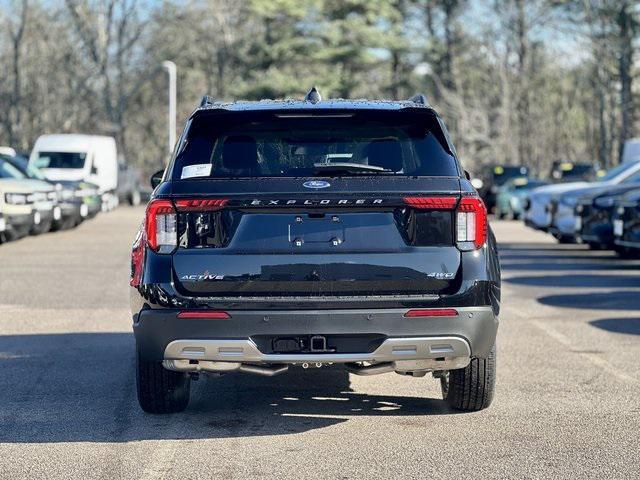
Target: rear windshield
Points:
(60, 159)
(268, 145)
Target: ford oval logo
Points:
(316, 184)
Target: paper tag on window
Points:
(200, 170)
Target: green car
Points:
(510, 197)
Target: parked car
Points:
(572, 172)
(511, 196)
(26, 205)
(495, 177)
(594, 216)
(73, 157)
(256, 254)
(551, 208)
(67, 211)
(537, 204)
(626, 223)
(562, 206)
(128, 184)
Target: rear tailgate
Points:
(288, 241)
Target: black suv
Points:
(288, 234)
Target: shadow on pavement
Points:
(543, 251)
(80, 388)
(617, 300)
(560, 265)
(630, 326)
(582, 280)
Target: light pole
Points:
(171, 70)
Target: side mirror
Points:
(156, 178)
(94, 170)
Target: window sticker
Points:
(199, 170)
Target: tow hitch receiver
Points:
(310, 344)
(318, 343)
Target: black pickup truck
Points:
(303, 234)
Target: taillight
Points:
(431, 203)
(471, 223)
(200, 205)
(161, 227)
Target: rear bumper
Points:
(160, 335)
(412, 354)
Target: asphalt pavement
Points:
(567, 403)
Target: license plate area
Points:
(316, 229)
(578, 224)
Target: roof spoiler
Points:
(420, 98)
(207, 101)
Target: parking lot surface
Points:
(567, 402)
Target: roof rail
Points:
(420, 98)
(313, 96)
(206, 101)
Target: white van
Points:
(75, 157)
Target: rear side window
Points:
(286, 145)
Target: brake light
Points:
(161, 226)
(432, 312)
(200, 205)
(204, 314)
(431, 203)
(471, 223)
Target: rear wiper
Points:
(346, 167)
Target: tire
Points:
(564, 239)
(471, 389)
(595, 246)
(626, 253)
(161, 390)
(134, 198)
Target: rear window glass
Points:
(268, 145)
(60, 159)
